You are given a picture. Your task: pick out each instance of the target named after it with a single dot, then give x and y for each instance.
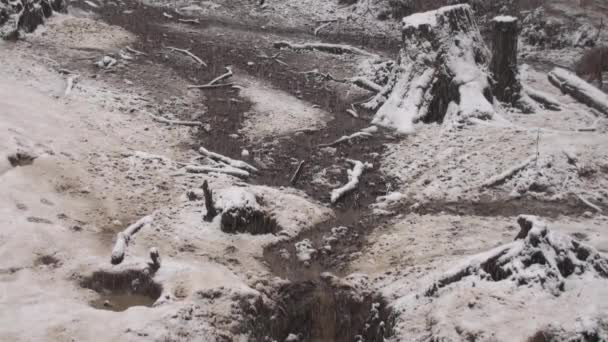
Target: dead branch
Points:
(589, 204)
(190, 21)
(211, 211)
(174, 122)
(543, 98)
(211, 86)
(337, 49)
(591, 128)
(353, 179)
(187, 52)
(345, 138)
(296, 175)
(361, 82)
(239, 164)
(225, 169)
(123, 238)
(213, 83)
(500, 178)
(132, 50)
(322, 26)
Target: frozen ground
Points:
(410, 245)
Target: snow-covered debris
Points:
(123, 238)
(241, 213)
(576, 87)
(444, 60)
(337, 234)
(523, 283)
(305, 251)
(353, 179)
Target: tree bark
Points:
(503, 66)
(442, 62)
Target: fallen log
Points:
(353, 179)
(500, 178)
(580, 90)
(338, 49)
(123, 238)
(545, 99)
(187, 52)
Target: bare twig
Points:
(174, 122)
(212, 83)
(187, 52)
(296, 175)
(132, 50)
(123, 238)
(346, 138)
(322, 26)
(222, 77)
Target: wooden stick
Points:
(589, 204)
(211, 211)
(189, 21)
(186, 52)
(500, 178)
(174, 122)
(130, 49)
(222, 77)
(123, 238)
(322, 26)
(210, 86)
(345, 138)
(296, 175)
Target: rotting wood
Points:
(187, 52)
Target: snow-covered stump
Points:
(503, 66)
(576, 87)
(443, 64)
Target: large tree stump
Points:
(503, 66)
(442, 65)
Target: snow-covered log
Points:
(443, 60)
(123, 238)
(353, 179)
(545, 99)
(506, 85)
(582, 91)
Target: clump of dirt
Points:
(21, 159)
(248, 220)
(119, 291)
(326, 310)
(47, 260)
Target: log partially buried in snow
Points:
(443, 60)
(576, 87)
(353, 179)
(123, 238)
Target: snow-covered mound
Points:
(513, 292)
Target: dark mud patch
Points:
(21, 159)
(122, 290)
(319, 312)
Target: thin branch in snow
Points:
(589, 204)
(91, 3)
(190, 21)
(296, 175)
(213, 82)
(187, 52)
(239, 164)
(211, 86)
(132, 50)
(345, 138)
(353, 179)
(500, 178)
(353, 112)
(174, 122)
(338, 49)
(167, 15)
(123, 238)
(225, 169)
(322, 26)
(591, 128)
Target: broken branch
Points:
(123, 238)
(500, 178)
(132, 50)
(337, 49)
(353, 179)
(187, 52)
(174, 122)
(589, 204)
(239, 164)
(296, 175)
(345, 138)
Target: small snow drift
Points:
(242, 213)
(122, 289)
(443, 61)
